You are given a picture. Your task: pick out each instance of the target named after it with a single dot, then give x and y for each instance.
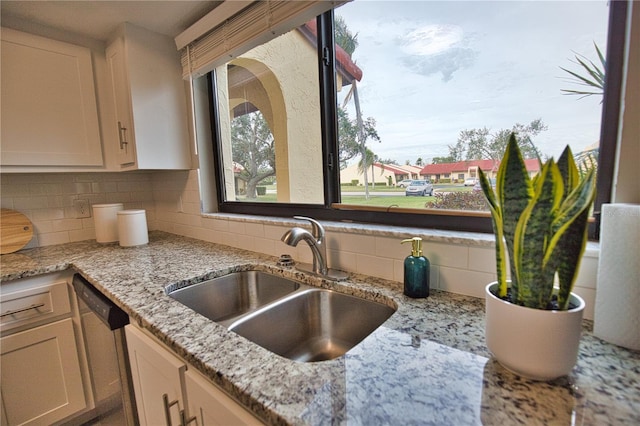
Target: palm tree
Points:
(593, 77)
(349, 42)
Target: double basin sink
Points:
(291, 319)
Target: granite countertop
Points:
(427, 364)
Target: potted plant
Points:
(532, 327)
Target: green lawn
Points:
(377, 200)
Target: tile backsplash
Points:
(47, 199)
(172, 202)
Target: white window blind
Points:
(256, 24)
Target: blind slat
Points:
(258, 23)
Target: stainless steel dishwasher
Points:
(103, 329)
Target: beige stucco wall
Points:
(380, 176)
(287, 71)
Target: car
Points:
(405, 183)
(419, 187)
(478, 188)
(470, 181)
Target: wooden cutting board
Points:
(16, 231)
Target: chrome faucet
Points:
(316, 242)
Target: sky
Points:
(434, 68)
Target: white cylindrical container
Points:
(106, 222)
(132, 228)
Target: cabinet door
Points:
(151, 100)
(157, 380)
(41, 381)
(211, 406)
(49, 112)
(116, 60)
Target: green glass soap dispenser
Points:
(416, 270)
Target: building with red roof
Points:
(461, 170)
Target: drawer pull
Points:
(167, 407)
(184, 421)
(17, 311)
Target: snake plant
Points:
(541, 224)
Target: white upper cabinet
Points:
(49, 112)
(150, 101)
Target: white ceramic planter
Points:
(533, 343)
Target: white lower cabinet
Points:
(41, 376)
(41, 379)
(210, 406)
(169, 393)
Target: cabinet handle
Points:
(167, 407)
(17, 311)
(184, 421)
(121, 135)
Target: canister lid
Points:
(123, 212)
(106, 206)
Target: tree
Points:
(419, 162)
(348, 146)
(349, 41)
(388, 161)
(345, 38)
(253, 149)
(482, 144)
(443, 160)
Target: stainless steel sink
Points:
(294, 320)
(229, 296)
(313, 325)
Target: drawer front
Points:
(33, 302)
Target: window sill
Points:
(474, 239)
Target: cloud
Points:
(431, 39)
(434, 49)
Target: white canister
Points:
(106, 222)
(132, 228)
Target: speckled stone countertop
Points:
(427, 364)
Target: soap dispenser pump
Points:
(416, 270)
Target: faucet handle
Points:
(318, 229)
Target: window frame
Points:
(465, 221)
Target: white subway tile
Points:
(482, 259)
(28, 203)
(237, 227)
(463, 281)
(265, 245)
(82, 234)
(391, 248)
(66, 224)
(254, 229)
(342, 261)
(375, 266)
(360, 244)
(52, 238)
(588, 273)
(274, 232)
(589, 296)
(455, 256)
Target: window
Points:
(269, 122)
(431, 92)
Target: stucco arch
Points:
(253, 81)
(281, 79)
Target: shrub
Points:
(261, 190)
(460, 200)
(447, 180)
(355, 182)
